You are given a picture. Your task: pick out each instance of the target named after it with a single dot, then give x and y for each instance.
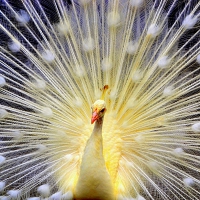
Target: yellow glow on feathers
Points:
(53, 76)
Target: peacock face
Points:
(98, 110)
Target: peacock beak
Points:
(95, 116)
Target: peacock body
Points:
(52, 71)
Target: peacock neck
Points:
(94, 146)
(94, 180)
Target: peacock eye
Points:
(102, 110)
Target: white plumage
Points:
(136, 62)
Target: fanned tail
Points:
(50, 75)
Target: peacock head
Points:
(98, 110)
